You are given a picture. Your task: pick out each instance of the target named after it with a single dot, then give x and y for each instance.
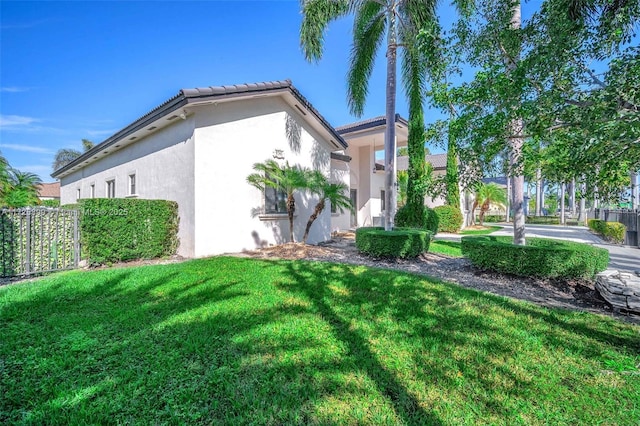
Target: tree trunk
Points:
(509, 200)
(583, 214)
(316, 212)
(291, 209)
(390, 186)
(572, 197)
(453, 191)
(635, 194)
(538, 192)
(515, 157)
(562, 194)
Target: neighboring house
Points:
(49, 191)
(198, 147)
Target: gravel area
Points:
(556, 293)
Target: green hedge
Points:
(401, 242)
(494, 218)
(543, 220)
(610, 231)
(417, 216)
(541, 257)
(449, 218)
(119, 229)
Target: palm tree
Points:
(287, 179)
(4, 178)
(22, 189)
(333, 192)
(487, 194)
(401, 20)
(66, 155)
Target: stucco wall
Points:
(163, 164)
(230, 138)
(340, 173)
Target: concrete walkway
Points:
(622, 258)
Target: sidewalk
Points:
(622, 258)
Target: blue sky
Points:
(73, 70)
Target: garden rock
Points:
(620, 289)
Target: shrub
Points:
(610, 231)
(119, 229)
(449, 218)
(541, 257)
(493, 218)
(417, 216)
(401, 242)
(50, 203)
(543, 220)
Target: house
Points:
(49, 191)
(198, 147)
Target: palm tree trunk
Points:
(562, 194)
(316, 212)
(391, 195)
(291, 209)
(515, 157)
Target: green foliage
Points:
(541, 257)
(494, 218)
(403, 180)
(399, 243)
(448, 248)
(334, 193)
(543, 220)
(485, 231)
(488, 194)
(51, 203)
(451, 176)
(449, 218)
(417, 216)
(120, 229)
(611, 231)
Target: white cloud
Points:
(16, 120)
(13, 89)
(26, 148)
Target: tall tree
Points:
(486, 195)
(286, 178)
(22, 189)
(400, 20)
(66, 155)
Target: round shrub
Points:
(449, 218)
(541, 257)
(401, 242)
(417, 216)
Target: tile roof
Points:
(438, 161)
(49, 190)
(368, 124)
(186, 96)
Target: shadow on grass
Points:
(236, 341)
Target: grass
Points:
(449, 248)
(241, 341)
(488, 230)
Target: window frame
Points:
(110, 183)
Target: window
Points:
(275, 201)
(78, 194)
(132, 184)
(93, 190)
(382, 200)
(111, 188)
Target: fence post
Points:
(27, 260)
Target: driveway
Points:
(622, 258)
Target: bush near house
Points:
(494, 218)
(399, 243)
(610, 231)
(541, 257)
(543, 220)
(449, 218)
(421, 217)
(117, 229)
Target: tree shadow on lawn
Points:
(231, 341)
(370, 306)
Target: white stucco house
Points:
(198, 147)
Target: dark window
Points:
(132, 184)
(275, 201)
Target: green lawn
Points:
(240, 341)
(489, 230)
(449, 248)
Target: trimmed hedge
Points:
(401, 242)
(541, 257)
(420, 217)
(449, 218)
(543, 220)
(494, 218)
(119, 229)
(610, 231)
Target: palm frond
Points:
(316, 16)
(368, 35)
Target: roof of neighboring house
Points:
(369, 124)
(192, 96)
(49, 190)
(438, 161)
